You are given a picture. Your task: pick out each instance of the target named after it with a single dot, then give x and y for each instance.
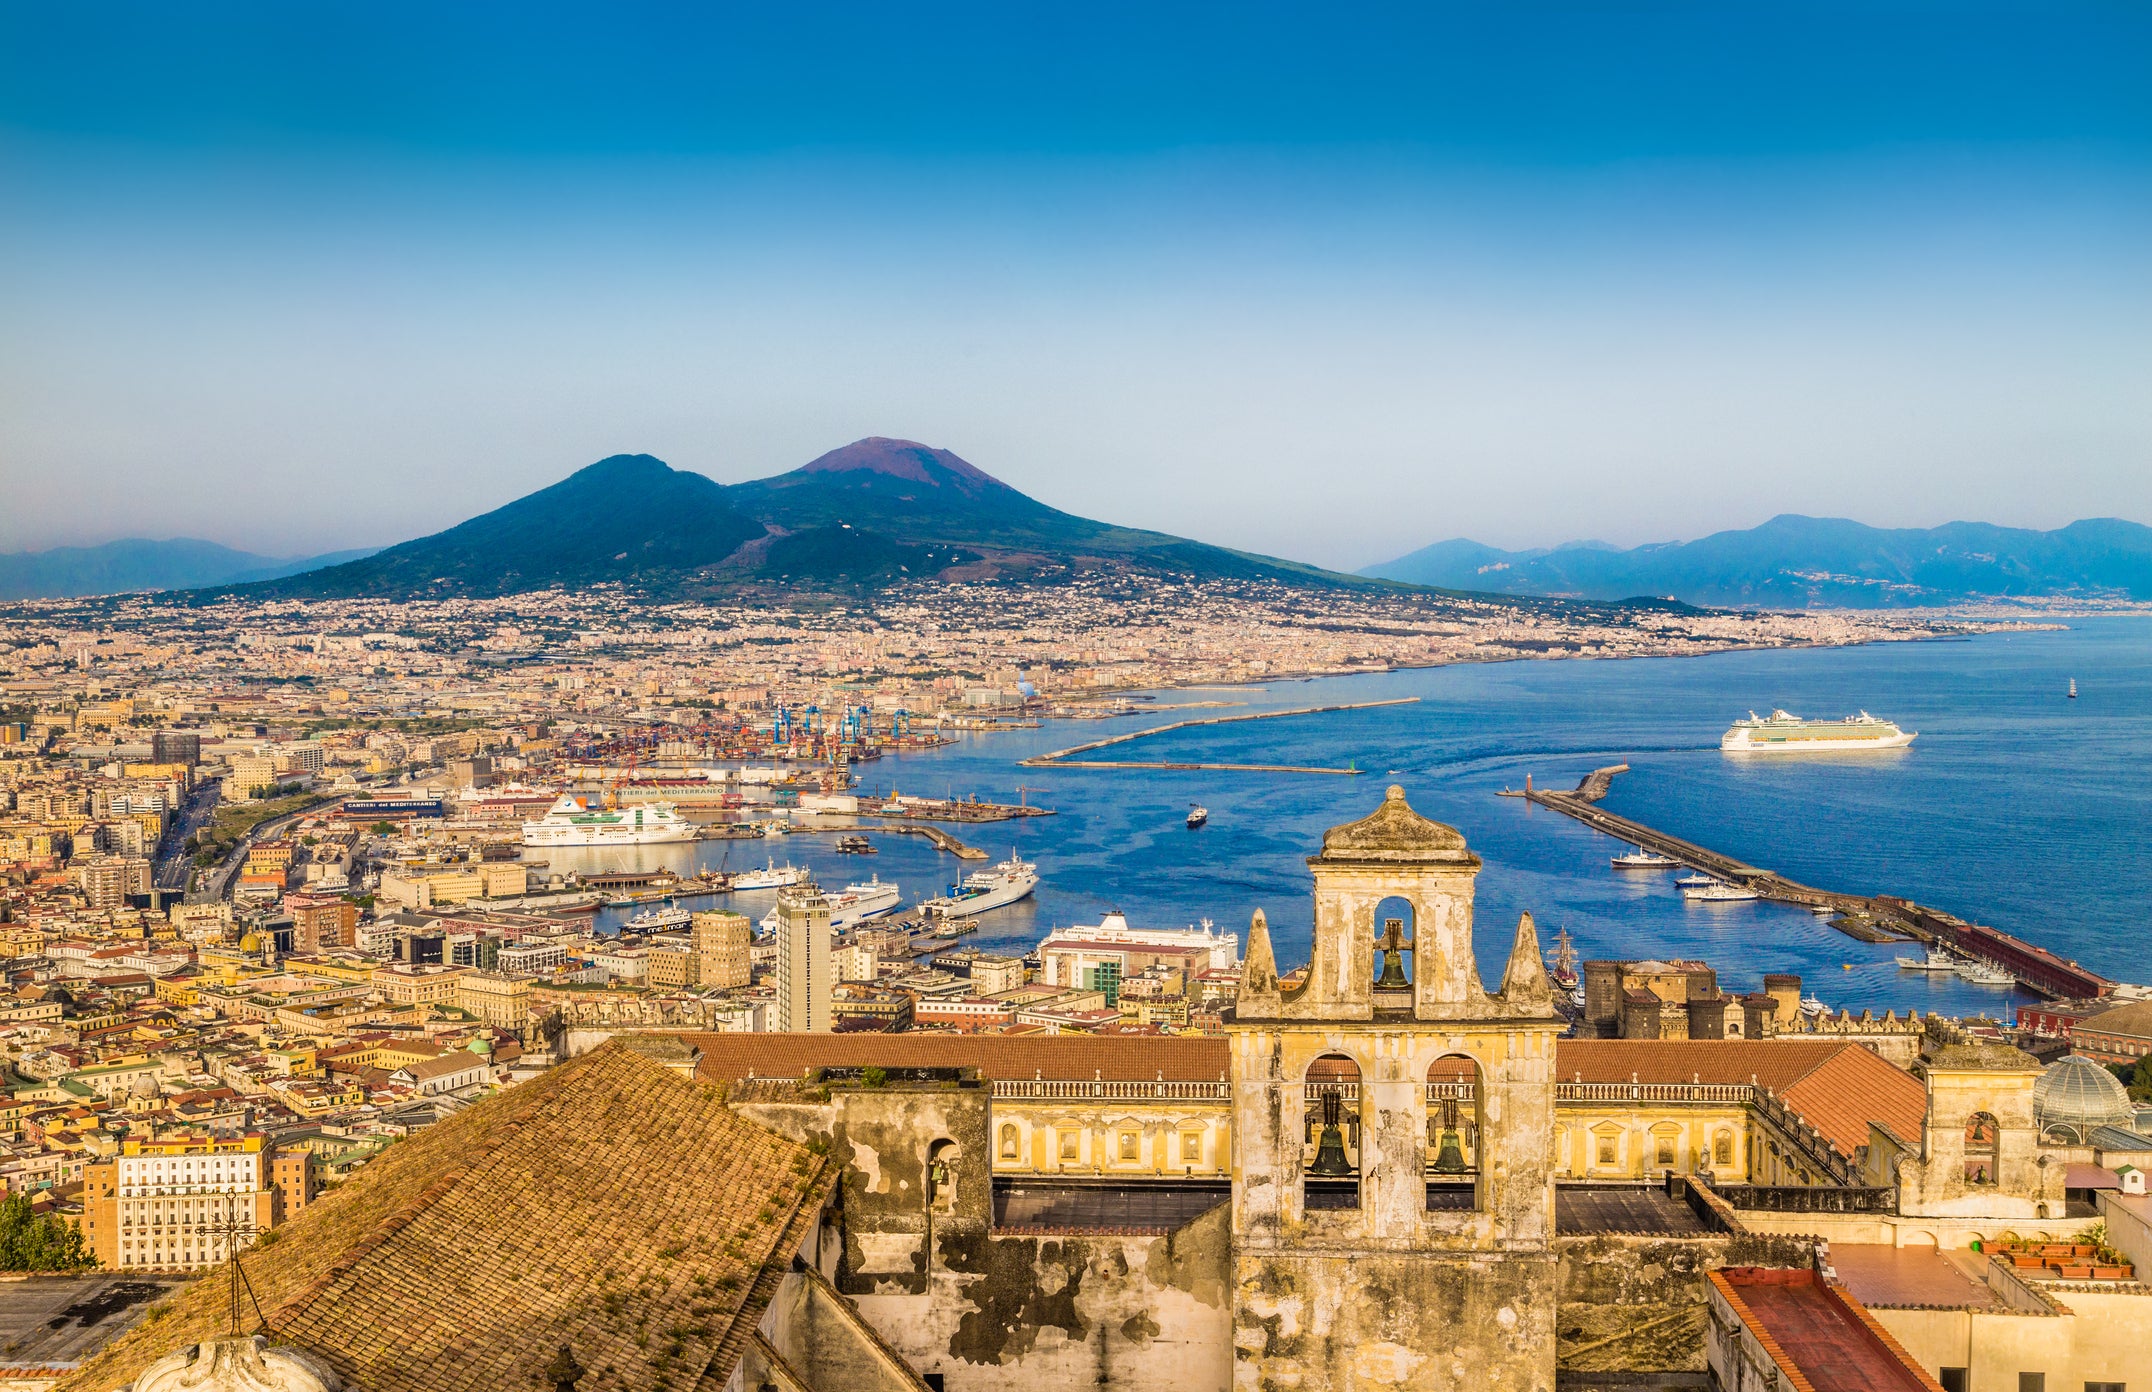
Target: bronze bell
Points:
(1330, 1160)
(1394, 944)
(1450, 1155)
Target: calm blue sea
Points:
(2016, 806)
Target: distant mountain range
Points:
(1794, 562)
(874, 512)
(119, 567)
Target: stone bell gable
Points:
(1392, 1132)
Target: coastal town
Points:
(269, 888)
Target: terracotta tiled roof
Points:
(609, 1204)
(1838, 1087)
(1124, 1058)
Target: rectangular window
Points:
(1953, 1379)
(1068, 1145)
(1192, 1146)
(1606, 1151)
(1666, 1152)
(2032, 1382)
(1128, 1145)
(2107, 1387)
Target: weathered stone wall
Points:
(1637, 1303)
(1417, 1323)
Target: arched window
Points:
(942, 1176)
(1455, 1111)
(1983, 1135)
(1330, 1160)
(1393, 945)
(1008, 1140)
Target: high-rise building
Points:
(803, 961)
(721, 948)
(173, 747)
(107, 881)
(321, 922)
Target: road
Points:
(173, 861)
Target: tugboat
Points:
(1197, 815)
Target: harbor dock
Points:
(1066, 758)
(1878, 918)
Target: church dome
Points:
(2078, 1093)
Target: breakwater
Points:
(1066, 758)
(1866, 917)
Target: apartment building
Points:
(169, 1205)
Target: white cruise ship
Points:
(1221, 950)
(572, 821)
(772, 876)
(1011, 880)
(1783, 733)
(854, 904)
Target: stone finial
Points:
(1259, 972)
(563, 1372)
(1394, 832)
(238, 1363)
(1524, 981)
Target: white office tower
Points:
(803, 961)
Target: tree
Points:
(39, 1242)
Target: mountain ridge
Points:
(874, 512)
(141, 564)
(1794, 561)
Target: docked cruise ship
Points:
(1011, 880)
(573, 821)
(854, 904)
(1782, 733)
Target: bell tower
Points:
(1393, 1129)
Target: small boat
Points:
(1933, 962)
(1821, 910)
(2073, 688)
(1694, 882)
(1719, 894)
(1984, 974)
(1197, 816)
(1640, 859)
(855, 845)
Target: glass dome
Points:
(2078, 1093)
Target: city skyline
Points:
(1628, 277)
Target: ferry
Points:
(855, 904)
(659, 920)
(1783, 733)
(1641, 859)
(573, 821)
(1197, 816)
(1006, 883)
(1719, 894)
(774, 876)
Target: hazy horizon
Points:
(1330, 288)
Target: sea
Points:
(2017, 806)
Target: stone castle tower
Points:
(1393, 1177)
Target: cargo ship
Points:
(1783, 733)
(573, 821)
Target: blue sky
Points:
(1328, 282)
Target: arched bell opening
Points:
(1983, 1136)
(1392, 951)
(1456, 1119)
(1330, 1156)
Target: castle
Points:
(1388, 1175)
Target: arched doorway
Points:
(1330, 1156)
(1455, 1113)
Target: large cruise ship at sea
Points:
(572, 821)
(1781, 733)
